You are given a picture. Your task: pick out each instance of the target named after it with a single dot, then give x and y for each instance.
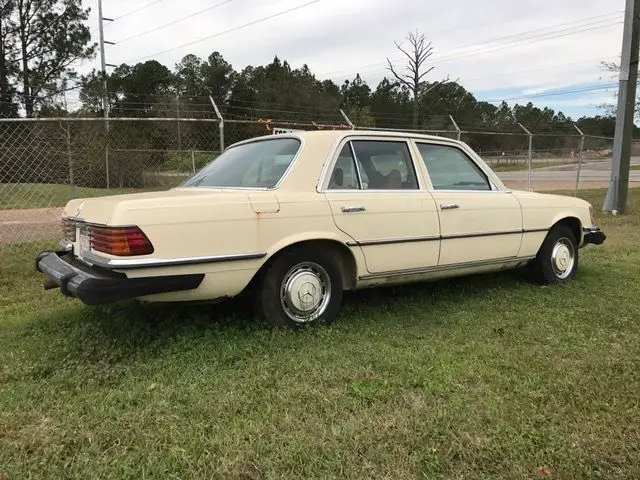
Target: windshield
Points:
(259, 164)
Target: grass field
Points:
(44, 195)
(486, 377)
(521, 166)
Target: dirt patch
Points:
(30, 224)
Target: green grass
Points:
(635, 167)
(521, 166)
(485, 377)
(44, 195)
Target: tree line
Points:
(42, 40)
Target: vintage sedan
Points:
(296, 219)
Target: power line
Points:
(264, 19)
(137, 35)
(549, 67)
(506, 46)
(517, 43)
(551, 94)
(143, 7)
(513, 38)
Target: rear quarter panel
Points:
(229, 228)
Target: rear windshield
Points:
(259, 164)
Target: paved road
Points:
(592, 175)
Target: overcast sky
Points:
(558, 45)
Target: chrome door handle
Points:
(353, 209)
(449, 206)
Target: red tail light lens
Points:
(120, 241)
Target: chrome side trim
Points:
(479, 234)
(440, 268)
(133, 263)
(391, 241)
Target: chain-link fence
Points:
(46, 162)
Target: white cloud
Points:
(338, 38)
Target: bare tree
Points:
(417, 53)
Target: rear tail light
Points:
(68, 230)
(120, 241)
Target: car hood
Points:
(154, 206)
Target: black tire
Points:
(558, 257)
(306, 271)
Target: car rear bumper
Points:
(94, 286)
(594, 236)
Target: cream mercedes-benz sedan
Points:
(296, 219)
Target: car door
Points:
(478, 222)
(376, 199)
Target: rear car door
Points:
(478, 222)
(378, 200)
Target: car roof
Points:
(334, 135)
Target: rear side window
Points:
(377, 165)
(345, 175)
(451, 169)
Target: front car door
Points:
(378, 200)
(478, 221)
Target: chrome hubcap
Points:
(305, 292)
(563, 258)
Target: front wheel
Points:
(301, 287)
(557, 260)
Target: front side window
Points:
(259, 164)
(451, 169)
(381, 165)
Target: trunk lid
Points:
(100, 210)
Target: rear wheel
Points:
(301, 287)
(557, 260)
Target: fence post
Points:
(459, 132)
(69, 160)
(580, 157)
(106, 161)
(220, 125)
(529, 157)
(193, 162)
(349, 122)
(179, 126)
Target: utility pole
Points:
(105, 93)
(103, 61)
(616, 199)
